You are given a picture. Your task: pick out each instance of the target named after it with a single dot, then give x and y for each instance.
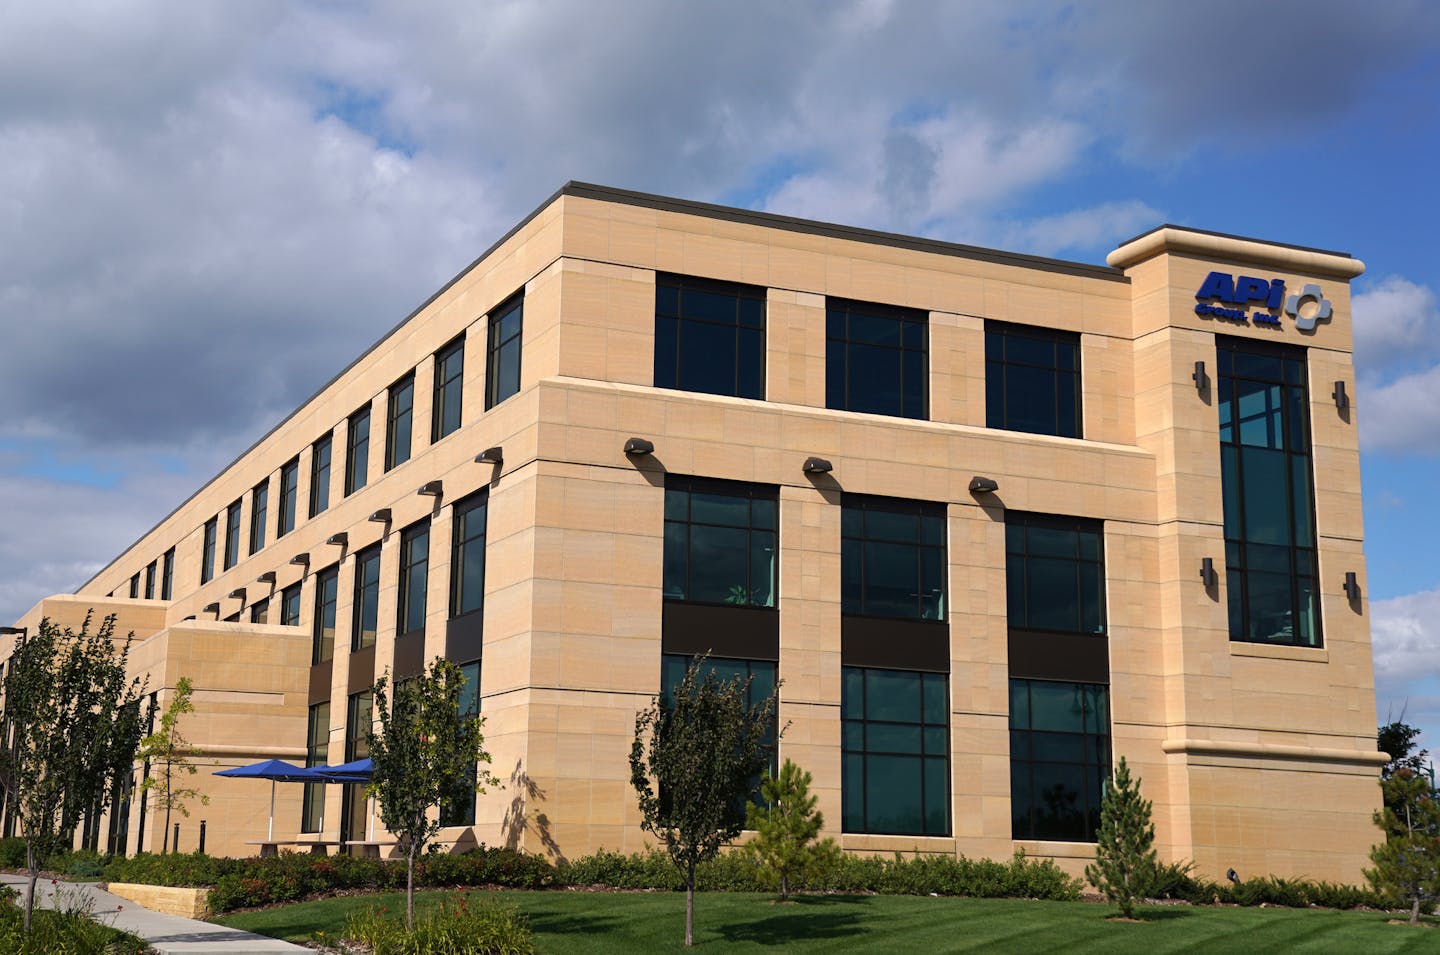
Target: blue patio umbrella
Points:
(355, 771)
(275, 770)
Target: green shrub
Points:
(72, 932)
(456, 927)
(12, 853)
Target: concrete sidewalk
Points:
(167, 933)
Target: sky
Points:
(208, 209)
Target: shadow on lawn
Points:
(543, 923)
(794, 924)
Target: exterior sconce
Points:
(238, 592)
(191, 617)
(639, 446)
(341, 538)
(1207, 572)
(431, 489)
(15, 632)
(490, 456)
(267, 578)
(381, 516)
(1342, 400)
(301, 560)
(1352, 586)
(1202, 380)
(817, 466)
(983, 485)
(212, 608)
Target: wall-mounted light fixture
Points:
(341, 539)
(212, 608)
(191, 617)
(1202, 380)
(639, 446)
(983, 485)
(238, 592)
(431, 488)
(1342, 400)
(15, 632)
(266, 578)
(817, 466)
(1207, 572)
(1352, 585)
(301, 560)
(381, 516)
(490, 456)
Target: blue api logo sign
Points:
(1246, 292)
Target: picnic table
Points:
(271, 847)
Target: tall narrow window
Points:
(414, 573)
(1059, 758)
(358, 721)
(290, 607)
(366, 608)
(467, 556)
(289, 488)
(449, 375)
(876, 359)
(502, 366)
(892, 558)
(260, 611)
(207, 552)
(709, 336)
(317, 753)
(400, 410)
(259, 513)
(232, 535)
(896, 773)
(320, 474)
(720, 542)
(357, 450)
(1270, 557)
(135, 585)
(460, 809)
(150, 581)
(1032, 379)
(327, 584)
(167, 575)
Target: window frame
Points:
(317, 753)
(449, 389)
(841, 345)
(357, 439)
(494, 346)
(290, 595)
(320, 473)
(259, 514)
(167, 575)
(150, 581)
(675, 485)
(322, 648)
(232, 534)
(849, 752)
(464, 815)
(997, 338)
(1024, 521)
(673, 368)
(1094, 771)
(364, 585)
(398, 418)
(864, 504)
(285, 520)
(463, 508)
(207, 550)
(414, 577)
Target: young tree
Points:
(1399, 739)
(71, 721)
(1407, 863)
(169, 754)
(1125, 859)
(692, 764)
(786, 828)
(427, 751)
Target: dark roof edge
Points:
(772, 220)
(1239, 238)
(586, 190)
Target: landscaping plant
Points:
(427, 752)
(168, 753)
(1407, 863)
(786, 829)
(692, 764)
(1125, 861)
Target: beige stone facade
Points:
(1258, 757)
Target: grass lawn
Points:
(598, 923)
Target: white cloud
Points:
(1402, 416)
(1405, 633)
(1395, 320)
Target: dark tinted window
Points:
(401, 411)
(1059, 758)
(709, 336)
(1032, 380)
(467, 556)
(260, 611)
(896, 751)
(317, 753)
(460, 810)
(892, 557)
(289, 487)
(449, 379)
(290, 607)
(135, 585)
(357, 450)
(207, 552)
(365, 611)
(414, 573)
(167, 575)
(150, 581)
(502, 366)
(876, 359)
(1054, 573)
(320, 474)
(232, 535)
(720, 542)
(1265, 470)
(327, 592)
(259, 511)
(761, 674)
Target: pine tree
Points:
(785, 830)
(1125, 860)
(1407, 863)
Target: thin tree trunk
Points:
(34, 868)
(690, 903)
(1415, 912)
(410, 888)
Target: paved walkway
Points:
(167, 933)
